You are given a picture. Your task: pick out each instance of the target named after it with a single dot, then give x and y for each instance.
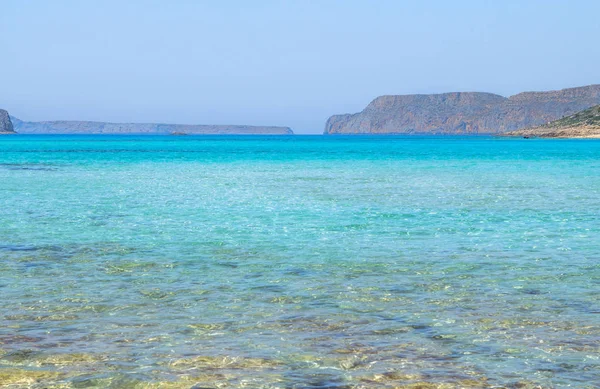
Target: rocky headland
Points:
(464, 113)
(86, 127)
(6, 126)
(583, 124)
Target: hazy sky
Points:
(291, 63)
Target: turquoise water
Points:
(299, 262)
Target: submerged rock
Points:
(222, 362)
(27, 377)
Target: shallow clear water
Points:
(299, 262)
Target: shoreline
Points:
(579, 132)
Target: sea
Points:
(330, 262)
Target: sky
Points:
(286, 63)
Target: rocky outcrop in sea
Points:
(463, 112)
(6, 126)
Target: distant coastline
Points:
(464, 113)
(527, 114)
(99, 128)
(582, 125)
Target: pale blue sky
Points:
(290, 63)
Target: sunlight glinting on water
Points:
(299, 262)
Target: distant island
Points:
(464, 113)
(565, 113)
(87, 127)
(583, 124)
(6, 126)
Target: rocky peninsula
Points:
(583, 124)
(6, 126)
(464, 113)
(89, 127)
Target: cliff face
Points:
(81, 127)
(6, 126)
(583, 124)
(463, 112)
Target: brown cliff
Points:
(463, 112)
